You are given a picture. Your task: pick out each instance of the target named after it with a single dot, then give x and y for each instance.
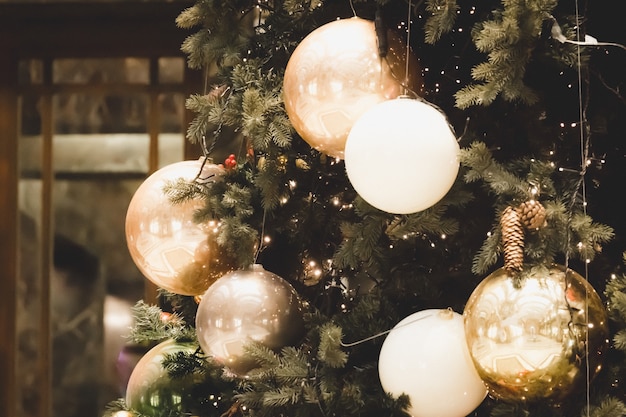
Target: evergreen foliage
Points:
(377, 268)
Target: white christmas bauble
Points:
(419, 152)
(425, 356)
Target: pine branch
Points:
(488, 254)
(238, 238)
(589, 235)
(190, 17)
(478, 158)
(566, 232)
(281, 396)
(432, 221)
(329, 350)
(443, 14)
(210, 109)
(113, 408)
(150, 325)
(294, 365)
(268, 179)
(238, 200)
(610, 407)
(619, 340)
(180, 364)
(280, 130)
(509, 40)
(253, 399)
(182, 190)
(361, 244)
(615, 292)
(294, 7)
(264, 356)
(225, 31)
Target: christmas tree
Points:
(400, 208)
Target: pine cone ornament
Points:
(532, 214)
(512, 239)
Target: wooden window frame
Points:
(65, 30)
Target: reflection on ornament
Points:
(532, 336)
(123, 413)
(245, 306)
(416, 141)
(151, 390)
(335, 75)
(425, 356)
(166, 244)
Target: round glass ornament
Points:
(151, 390)
(336, 74)
(532, 336)
(168, 246)
(243, 306)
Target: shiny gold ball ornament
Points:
(532, 336)
(151, 390)
(170, 248)
(250, 305)
(335, 74)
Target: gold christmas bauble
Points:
(336, 74)
(536, 336)
(168, 246)
(251, 305)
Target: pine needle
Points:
(150, 325)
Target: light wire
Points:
(584, 151)
(398, 326)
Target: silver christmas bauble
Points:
(251, 305)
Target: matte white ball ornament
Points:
(415, 141)
(425, 356)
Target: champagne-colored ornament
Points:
(531, 336)
(170, 248)
(251, 305)
(336, 74)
